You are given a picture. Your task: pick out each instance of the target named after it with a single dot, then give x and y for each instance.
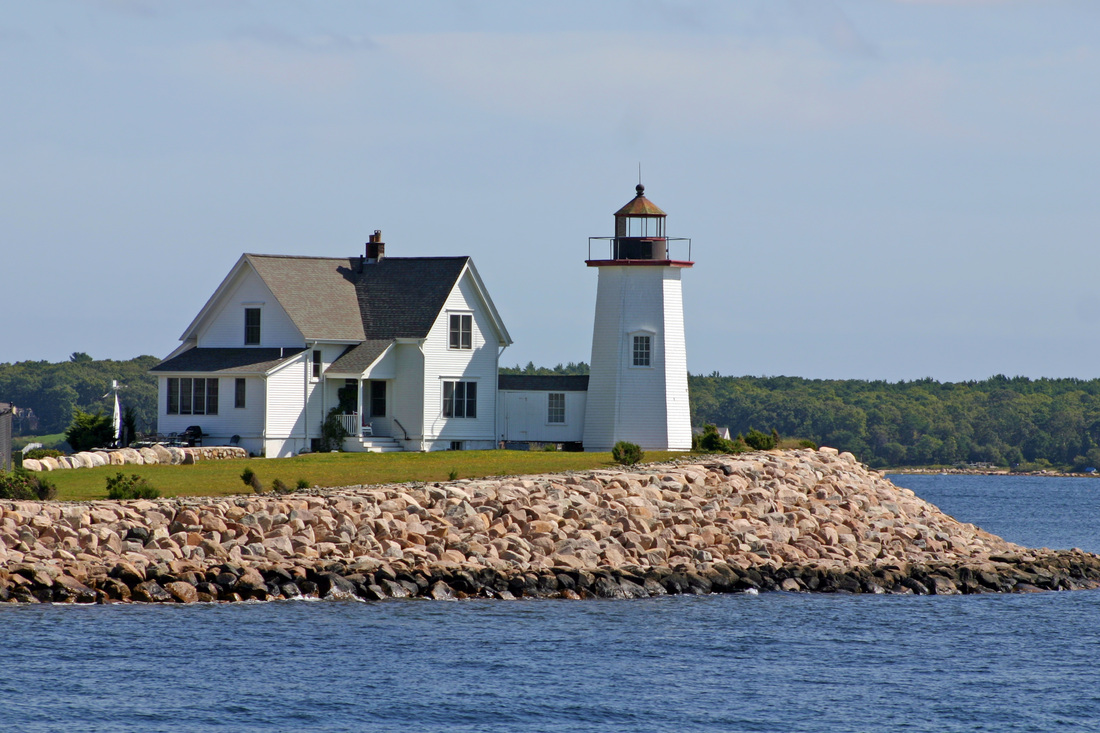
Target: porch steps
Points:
(380, 445)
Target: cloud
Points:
(698, 82)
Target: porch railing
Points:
(350, 423)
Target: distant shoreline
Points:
(983, 472)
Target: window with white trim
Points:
(642, 351)
(316, 364)
(251, 326)
(555, 407)
(459, 399)
(239, 391)
(462, 331)
(192, 396)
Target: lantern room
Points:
(639, 236)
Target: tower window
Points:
(462, 327)
(555, 410)
(641, 351)
(251, 326)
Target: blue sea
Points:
(772, 662)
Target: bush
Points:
(37, 453)
(758, 440)
(332, 432)
(23, 485)
(711, 442)
(88, 430)
(302, 484)
(280, 487)
(453, 475)
(133, 486)
(807, 444)
(627, 454)
(249, 477)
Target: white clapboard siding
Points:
(247, 422)
(408, 395)
(285, 418)
(627, 402)
(523, 416)
(477, 364)
(676, 372)
(224, 326)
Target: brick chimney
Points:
(376, 248)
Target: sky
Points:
(874, 189)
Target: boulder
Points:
(163, 455)
(151, 592)
(149, 456)
(49, 463)
(182, 592)
(33, 464)
(131, 457)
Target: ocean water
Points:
(772, 662)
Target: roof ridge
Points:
(352, 257)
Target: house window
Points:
(188, 396)
(456, 445)
(239, 392)
(462, 331)
(251, 326)
(377, 398)
(316, 364)
(641, 351)
(460, 399)
(555, 411)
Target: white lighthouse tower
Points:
(638, 390)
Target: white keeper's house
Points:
(407, 351)
(406, 347)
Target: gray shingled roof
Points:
(356, 359)
(237, 360)
(543, 383)
(329, 298)
(318, 293)
(400, 297)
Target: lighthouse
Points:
(637, 388)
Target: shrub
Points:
(711, 442)
(37, 453)
(758, 440)
(627, 454)
(249, 477)
(550, 448)
(88, 431)
(332, 432)
(23, 485)
(302, 484)
(807, 444)
(453, 475)
(280, 487)
(133, 486)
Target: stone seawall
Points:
(795, 521)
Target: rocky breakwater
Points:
(793, 521)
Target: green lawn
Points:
(221, 478)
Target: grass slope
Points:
(222, 478)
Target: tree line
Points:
(49, 394)
(1001, 421)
